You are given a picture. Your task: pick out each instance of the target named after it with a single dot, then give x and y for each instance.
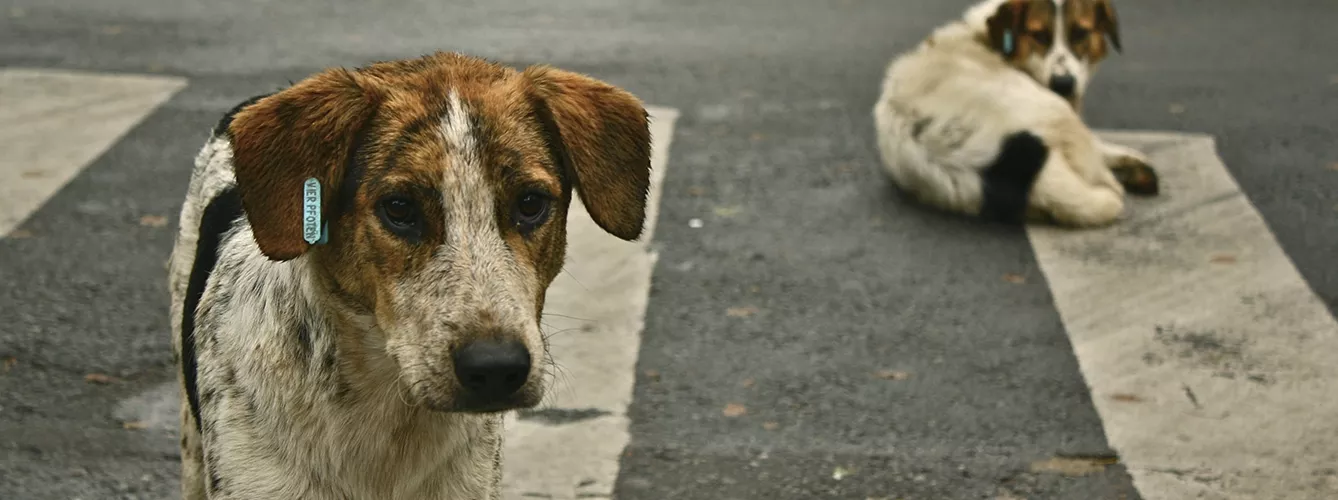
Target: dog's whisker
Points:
(559, 378)
(403, 393)
(573, 278)
(546, 313)
(549, 335)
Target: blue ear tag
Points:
(314, 230)
(1008, 42)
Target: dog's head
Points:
(445, 181)
(1060, 43)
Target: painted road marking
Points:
(570, 447)
(53, 123)
(1211, 361)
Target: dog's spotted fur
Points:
(973, 120)
(326, 372)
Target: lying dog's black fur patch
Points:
(221, 127)
(1006, 183)
(219, 216)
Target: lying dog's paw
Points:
(1136, 176)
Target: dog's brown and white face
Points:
(1058, 42)
(446, 182)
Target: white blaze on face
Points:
(467, 199)
(1061, 60)
(473, 279)
(474, 262)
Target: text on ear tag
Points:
(312, 229)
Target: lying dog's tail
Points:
(1006, 183)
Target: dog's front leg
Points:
(1131, 168)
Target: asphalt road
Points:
(773, 151)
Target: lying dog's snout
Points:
(492, 369)
(1064, 85)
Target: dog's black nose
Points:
(492, 369)
(1064, 85)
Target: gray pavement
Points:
(839, 278)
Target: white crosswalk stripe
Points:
(1209, 357)
(54, 123)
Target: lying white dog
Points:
(983, 117)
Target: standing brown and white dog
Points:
(361, 267)
(983, 117)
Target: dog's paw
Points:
(1136, 176)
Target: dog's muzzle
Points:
(491, 372)
(1064, 85)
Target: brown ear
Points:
(1005, 27)
(606, 134)
(282, 140)
(1107, 22)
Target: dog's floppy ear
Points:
(306, 131)
(1005, 27)
(1107, 22)
(605, 132)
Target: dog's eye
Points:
(1078, 34)
(399, 212)
(1043, 37)
(531, 210)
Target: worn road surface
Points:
(793, 328)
